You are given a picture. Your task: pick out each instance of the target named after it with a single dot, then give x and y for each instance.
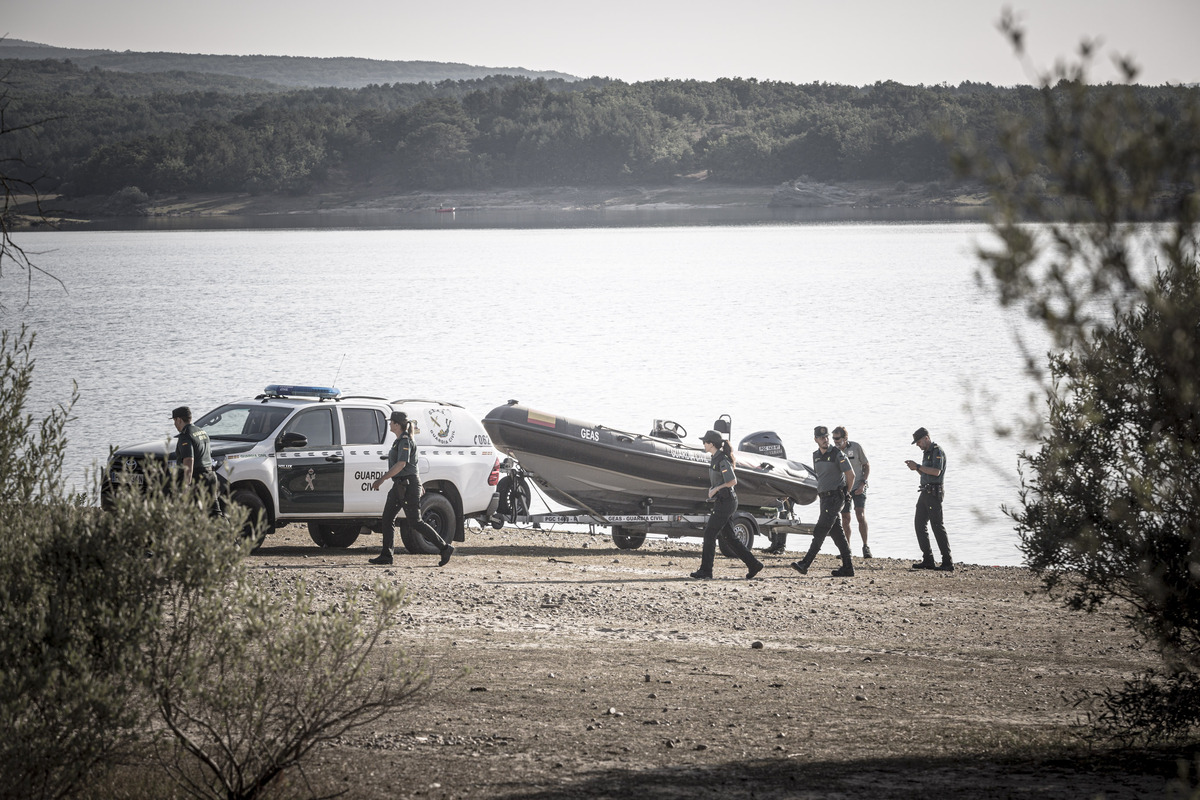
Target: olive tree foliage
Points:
(248, 696)
(142, 629)
(1096, 220)
(80, 596)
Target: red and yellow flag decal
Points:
(545, 420)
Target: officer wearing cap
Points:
(193, 454)
(721, 480)
(929, 502)
(405, 493)
(835, 480)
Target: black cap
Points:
(183, 412)
(399, 417)
(712, 437)
(919, 434)
(820, 430)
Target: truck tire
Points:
(438, 513)
(626, 540)
(744, 528)
(337, 535)
(257, 527)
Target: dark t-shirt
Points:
(404, 449)
(193, 444)
(934, 457)
(830, 467)
(720, 470)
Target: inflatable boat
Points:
(605, 471)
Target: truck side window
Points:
(364, 426)
(316, 425)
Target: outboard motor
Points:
(763, 443)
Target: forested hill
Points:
(289, 71)
(96, 132)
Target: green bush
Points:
(140, 629)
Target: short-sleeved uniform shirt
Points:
(404, 449)
(720, 470)
(193, 444)
(830, 467)
(934, 457)
(857, 458)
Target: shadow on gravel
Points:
(1113, 776)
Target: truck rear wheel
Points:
(626, 540)
(333, 535)
(438, 513)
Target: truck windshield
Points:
(243, 423)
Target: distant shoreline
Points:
(797, 198)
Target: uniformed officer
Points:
(721, 483)
(194, 456)
(835, 480)
(858, 498)
(929, 502)
(405, 493)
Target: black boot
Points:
(802, 565)
(846, 570)
(926, 563)
(383, 558)
(947, 564)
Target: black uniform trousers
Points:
(829, 523)
(929, 514)
(406, 493)
(212, 484)
(720, 523)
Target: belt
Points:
(832, 492)
(927, 487)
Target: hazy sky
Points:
(851, 42)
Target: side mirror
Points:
(291, 439)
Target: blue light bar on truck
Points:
(319, 392)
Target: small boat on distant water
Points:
(609, 472)
(447, 210)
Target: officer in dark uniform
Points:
(405, 493)
(721, 480)
(929, 502)
(835, 480)
(193, 455)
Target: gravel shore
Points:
(567, 668)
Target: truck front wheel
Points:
(327, 535)
(257, 527)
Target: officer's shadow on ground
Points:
(793, 774)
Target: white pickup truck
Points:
(310, 454)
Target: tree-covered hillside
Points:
(107, 131)
(290, 71)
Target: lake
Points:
(879, 327)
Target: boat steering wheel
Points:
(674, 428)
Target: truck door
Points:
(311, 478)
(365, 451)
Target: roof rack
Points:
(420, 400)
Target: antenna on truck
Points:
(339, 370)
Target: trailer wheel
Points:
(744, 528)
(626, 540)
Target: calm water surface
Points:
(878, 327)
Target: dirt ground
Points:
(567, 668)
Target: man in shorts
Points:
(858, 498)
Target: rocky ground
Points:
(568, 668)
